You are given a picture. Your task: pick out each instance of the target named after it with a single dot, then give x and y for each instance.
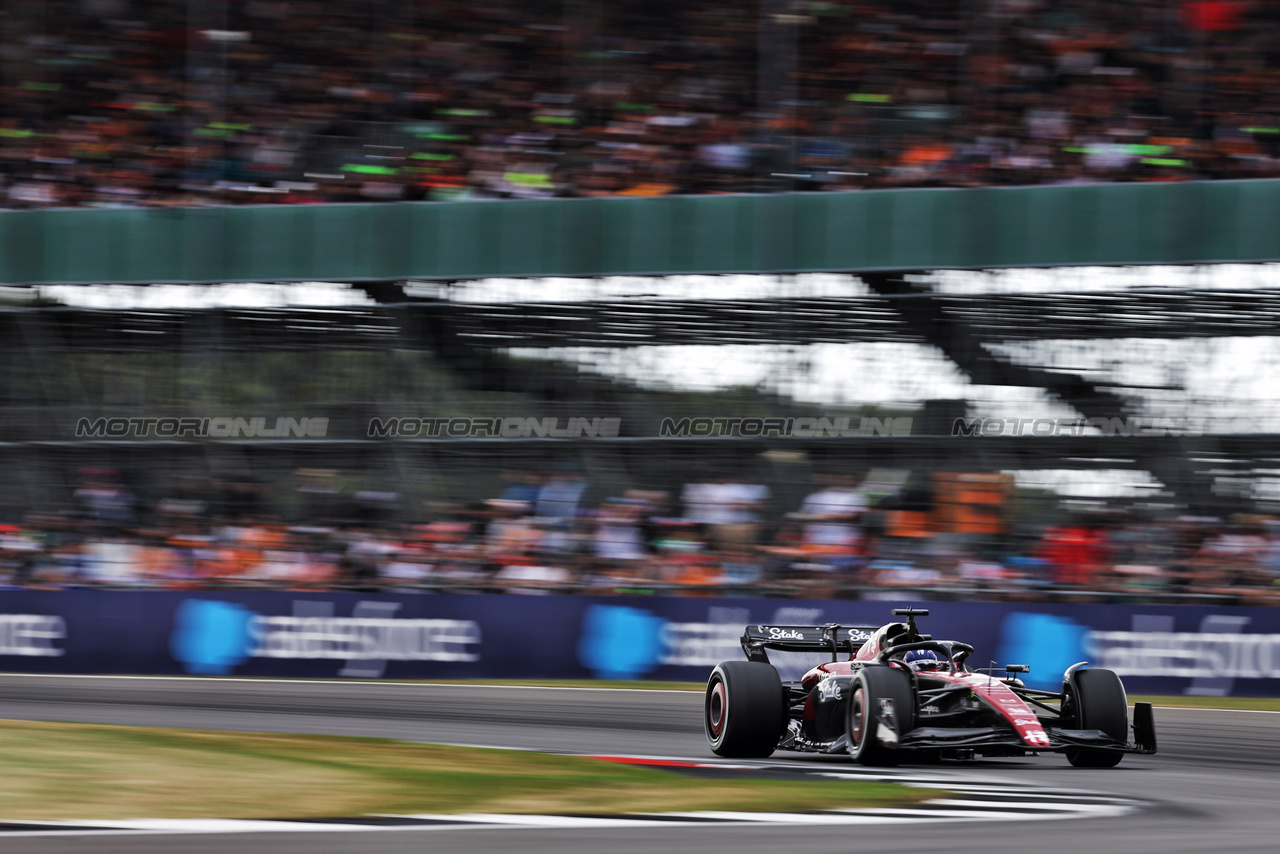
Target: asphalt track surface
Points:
(1212, 788)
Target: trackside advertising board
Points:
(1156, 649)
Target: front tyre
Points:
(1100, 703)
(882, 709)
(745, 710)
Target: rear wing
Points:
(832, 638)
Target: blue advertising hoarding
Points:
(1156, 649)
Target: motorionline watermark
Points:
(509, 427)
(219, 427)
(1105, 426)
(798, 428)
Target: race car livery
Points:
(891, 694)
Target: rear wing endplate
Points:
(831, 638)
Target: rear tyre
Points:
(745, 710)
(1099, 702)
(881, 695)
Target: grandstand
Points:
(481, 172)
(369, 101)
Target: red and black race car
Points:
(899, 695)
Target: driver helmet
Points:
(922, 659)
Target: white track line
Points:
(979, 811)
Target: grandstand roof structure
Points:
(1171, 313)
(888, 239)
(464, 333)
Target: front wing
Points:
(996, 737)
(1004, 738)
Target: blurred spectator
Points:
(831, 516)
(531, 580)
(103, 498)
(1076, 553)
(521, 486)
(110, 104)
(618, 535)
(560, 495)
(729, 509)
(740, 567)
(834, 547)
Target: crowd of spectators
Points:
(109, 103)
(848, 538)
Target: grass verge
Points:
(56, 771)
(1262, 704)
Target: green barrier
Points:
(1193, 222)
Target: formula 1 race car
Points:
(903, 696)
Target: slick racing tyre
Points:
(745, 709)
(881, 710)
(1099, 702)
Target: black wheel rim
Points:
(857, 718)
(716, 709)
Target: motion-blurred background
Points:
(624, 259)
